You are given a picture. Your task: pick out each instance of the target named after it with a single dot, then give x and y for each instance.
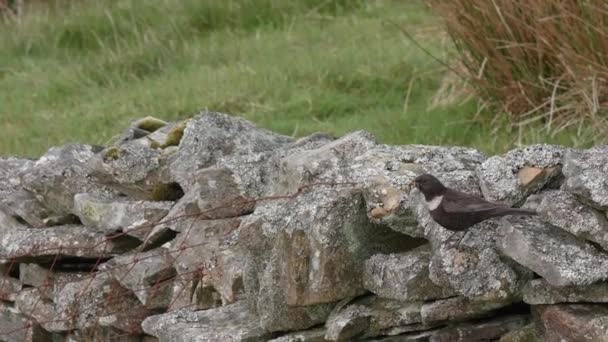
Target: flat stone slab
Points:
(587, 175)
(538, 291)
(572, 322)
(228, 323)
(555, 255)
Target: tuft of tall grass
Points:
(542, 62)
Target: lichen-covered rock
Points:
(9, 287)
(16, 327)
(538, 291)
(510, 178)
(403, 276)
(385, 173)
(564, 210)
(311, 335)
(14, 199)
(137, 170)
(473, 267)
(84, 303)
(328, 163)
(62, 173)
(72, 240)
(372, 316)
(458, 309)
(587, 175)
(37, 307)
(555, 255)
(524, 334)
(135, 218)
(479, 331)
(154, 133)
(147, 274)
(571, 322)
(228, 323)
(208, 257)
(211, 136)
(298, 248)
(47, 281)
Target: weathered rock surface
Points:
(512, 177)
(572, 322)
(46, 281)
(211, 136)
(137, 170)
(473, 267)
(62, 173)
(555, 255)
(147, 274)
(84, 304)
(488, 330)
(458, 309)
(73, 240)
(312, 335)
(14, 199)
(524, 334)
(538, 291)
(32, 304)
(307, 244)
(403, 276)
(372, 316)
(15, 327)
(208, 258)
(229, 323)
(135, 218)
(587, 175)
(9, 288)
(564, 210)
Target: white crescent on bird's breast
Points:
(434, 203)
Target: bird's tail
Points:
(519, 211)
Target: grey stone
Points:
(208, 256)
(62, 173)
(14, 199)
(538, 291)
(563, 210)
(147, 274)
(312, 335)
(308, 243)
(587, 175)
(9, 288)
(84, 303)
(211, 136)
(229, 323)
(48, 282)
(510, 178)
(137, 170)
(486, 330)
(458, 309)
(372, 316)
(101, 333)
(403, 276)
(135, 218)
(555, 255)
(256, 173)
(524, 334)
(473, 267)
(571, 322)
(33, 305)
(15, 327)
(33, 243)
(328, 163)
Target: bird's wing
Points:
(459, 202)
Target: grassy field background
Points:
(81, 72)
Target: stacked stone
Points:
(212, 229)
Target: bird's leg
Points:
(461, 238)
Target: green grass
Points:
(82, 71)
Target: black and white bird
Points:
(457, 211)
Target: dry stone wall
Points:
(212, 229)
